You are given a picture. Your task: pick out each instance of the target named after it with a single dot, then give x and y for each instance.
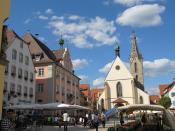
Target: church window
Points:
(117, 67)
(137, 77)
(135, 67)
(119, 89)
(141, 100)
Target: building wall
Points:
(4, 13)
(9, 79)
(171, 95)
(144, 96)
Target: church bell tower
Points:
(136, 63)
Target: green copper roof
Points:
(117, 46)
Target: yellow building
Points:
(4, 13)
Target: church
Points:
(121, 86)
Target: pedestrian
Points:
(103, 119)
(96, 121)
(143, 119)
(85, 121)
(121, 118)
(65, 120)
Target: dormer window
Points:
(37, 57)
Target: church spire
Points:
(117, 49)
(136, 62)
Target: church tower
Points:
(136, 63)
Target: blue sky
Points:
(91, 27)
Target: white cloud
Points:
(75, 17)
(49, 11)
(42, 17)
(141, 16)
(153, 90)
(27, 21)
(83, 78)
(79, 63)
(107, 67)
(98, 82)
(83, 32)
(128, 2)
(42, 38)
(158, 67)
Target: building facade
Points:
(169, 91)
(55, 78)
(4, 13)
(123, 84)
(19, 83)
(86, 95)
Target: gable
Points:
(118, 71)
(38, 48)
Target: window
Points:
(20, 73)
(137, 77)
(26, 60)
(135, 67)
(5, 86)
(41, 72)
(25, 90)
(12, 88)
(173, 103)
(14, 54)
(31, 77)
(20, 58)
(13, 70)
(6, 69)
(31, 92)
(173, 94)
(19, 89)
(40, 87)
(21, 44)
(141, 100)
(26, 75)
(119, 89)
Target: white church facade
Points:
(122, 86)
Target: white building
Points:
(19, 84)
(123, 84)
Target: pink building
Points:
(55, 78)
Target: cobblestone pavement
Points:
(71, 128)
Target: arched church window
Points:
(119, 90)
(135, 67)
(137, 77)
(102, 104)
(141, 100)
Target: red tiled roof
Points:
(85, 92)
(154, 99)
(162, 88)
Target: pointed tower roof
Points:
(117, 49)
(134, 47)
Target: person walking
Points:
(121, 118)
(103, 119)
(65, 120)
(96, 121)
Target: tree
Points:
(165, 102)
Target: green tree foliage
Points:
(165, 102)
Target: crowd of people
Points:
(12, 121)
